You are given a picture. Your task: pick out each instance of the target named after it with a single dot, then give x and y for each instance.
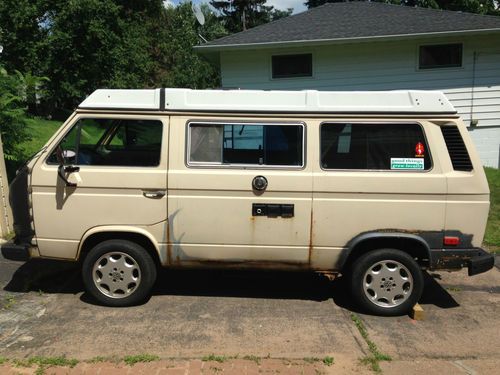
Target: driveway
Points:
(45, 312)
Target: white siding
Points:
(487, 144)
(473, 89)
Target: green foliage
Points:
(252, 358)
(217, 358)
(375, 355)
(133, 359)
(239, 15)
(13, 127)
(83, 45)
(45, 362)
(328, 361)
(492, 236)
(179, 65)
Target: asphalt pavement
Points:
(45, 312)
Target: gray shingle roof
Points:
(337, 21)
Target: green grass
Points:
(328, 361)
(133, 359)
(3, 360)
(8, 302)
(253, 358)
(375, 357)
(492, 236)
(217, 358)
(41, 130)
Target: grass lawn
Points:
(492, 236)
(42, 130)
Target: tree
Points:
(83, 45)
(178, 65)
(21, 35)
(13, 125)
(239, 15)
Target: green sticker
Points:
(407, 163)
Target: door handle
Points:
(153, 194)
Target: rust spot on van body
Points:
(169, 245)
(244, 264)
(311, 229)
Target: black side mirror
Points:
(62, 170)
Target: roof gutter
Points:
(298, 43)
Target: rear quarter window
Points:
(374, 146)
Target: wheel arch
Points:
(411, 244)
(102, 233)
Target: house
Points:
(375, 46)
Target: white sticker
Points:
(407, 163)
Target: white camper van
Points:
(375, 186)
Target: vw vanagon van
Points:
(375, 186)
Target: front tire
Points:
(386, 282)
(119, 273)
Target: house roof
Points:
(356, 21)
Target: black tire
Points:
(133, 262)
(405, 285)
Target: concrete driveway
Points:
(44, 311)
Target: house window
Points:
(292, 66)
(246, 144)
(374, 147)
(440, 56)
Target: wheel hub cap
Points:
(116, 274)
(387, 283)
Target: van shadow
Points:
(47, 276)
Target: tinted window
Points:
(289, 66)
(113, 142)
(374, 147)
(440, 56)
(257, 144)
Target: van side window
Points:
(246, 144)
(374, 147)
(112, 142)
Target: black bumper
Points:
(476, 260)
(15, 252)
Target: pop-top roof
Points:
(187, 100)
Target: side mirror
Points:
(62, 156)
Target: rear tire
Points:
(119, 273)
(386, 282)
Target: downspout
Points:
(473, 122)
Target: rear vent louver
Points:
(456, 148)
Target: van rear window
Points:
(246, 144)
(363, 146)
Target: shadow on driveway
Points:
(50, 276)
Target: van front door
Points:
(120, 177)
(239, 193)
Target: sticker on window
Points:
(407, 163)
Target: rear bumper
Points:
(12, 251)
(476, 260)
